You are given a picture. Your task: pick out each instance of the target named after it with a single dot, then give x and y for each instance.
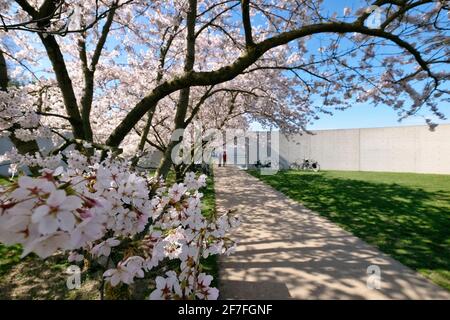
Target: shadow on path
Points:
(409, 223)
(287, 251)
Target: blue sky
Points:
(364, 115)
(368, 116)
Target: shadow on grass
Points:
(210, 264)
(33, 278)
(410, 224)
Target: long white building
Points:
(394, 149)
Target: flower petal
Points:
(66, 220)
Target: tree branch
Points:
(104, 35)
(49, 114)
(59, 66)
(245, 5)
(250, 56)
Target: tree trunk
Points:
(65, 84)
(3, 73)
(144, 135)
(86, 104)
(162, 61)
(89, 74)
(166, 161)
(183, 101)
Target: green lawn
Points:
(406, 215)
(210, 265)
(34, 278)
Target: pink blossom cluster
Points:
(18, 161)
(24, 116)
(127, 222)
(15, 110)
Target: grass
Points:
(209, 198)
(9, 256)
(211, 264)
(405, 215)
(33, 278)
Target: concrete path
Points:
(286, 251)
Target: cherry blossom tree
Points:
(109, 80)
(127, 223)
(402, 21)
(280, 41)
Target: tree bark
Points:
(246, 22)
(143, 140)
(250, 56)
(65, 84)
(89, 74)
(3, 73)
(162, 62)
(43, 16)
(183, 101)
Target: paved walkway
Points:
(286, 251)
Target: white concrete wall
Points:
(150, 161)
(6, 145)
(396, 149)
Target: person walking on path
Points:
(224, 158)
